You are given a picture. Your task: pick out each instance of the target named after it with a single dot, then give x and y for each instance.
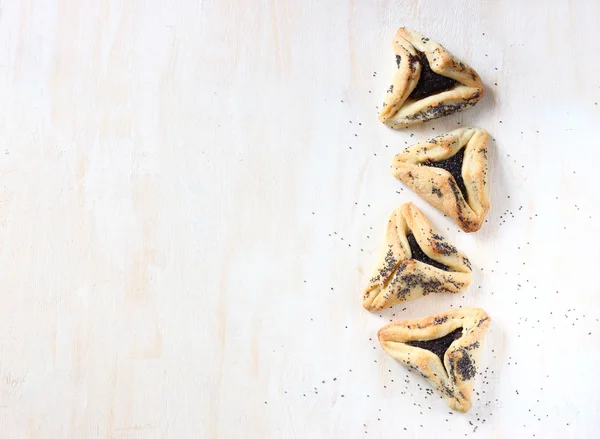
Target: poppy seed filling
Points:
(430, 82)
(419, 255)
(438, 346)
(454, 166)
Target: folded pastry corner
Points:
(416, 260)
(429, 82)
(444, 348)
(450, 173)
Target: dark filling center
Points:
(454, 166)
(439, 346)
(419, 255)
(430, 82)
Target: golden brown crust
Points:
(454, 378)
(399, 278)
(438, 187)
(399, 109)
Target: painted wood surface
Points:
(193, 195)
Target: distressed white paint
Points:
(162, 273)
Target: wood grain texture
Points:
(193, 195)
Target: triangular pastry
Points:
(443, 348)
(429, 82)
(415, 261)
(450, 173)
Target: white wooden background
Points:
(193, 195)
